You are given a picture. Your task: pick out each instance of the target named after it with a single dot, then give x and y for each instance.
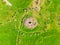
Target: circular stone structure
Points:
(30, 23)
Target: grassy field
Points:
(14, 32)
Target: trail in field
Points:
(7, 2)
(37, 4)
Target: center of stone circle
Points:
(30, 22)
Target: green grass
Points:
(11, 21)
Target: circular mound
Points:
(30, 23)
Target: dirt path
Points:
(37, 4)
(7, 2)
